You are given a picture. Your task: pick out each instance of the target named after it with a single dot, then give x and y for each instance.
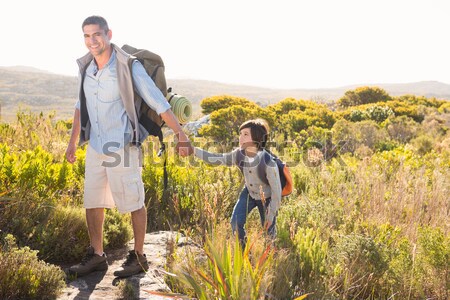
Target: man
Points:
(113, 174)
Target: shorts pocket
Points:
(132, 187)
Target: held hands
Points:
(183, 147)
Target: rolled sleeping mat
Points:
(181, 107)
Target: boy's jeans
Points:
(243, 207)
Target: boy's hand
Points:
(268, 222)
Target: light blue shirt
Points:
(110, 127)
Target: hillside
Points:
(29, 88)
(36, 91)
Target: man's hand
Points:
(70, 153)
(183, 147)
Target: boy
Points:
(252, 141)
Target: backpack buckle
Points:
(161, 149)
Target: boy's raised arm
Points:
(218, 159)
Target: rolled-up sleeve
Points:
(147, 89)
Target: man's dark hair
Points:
(259, 131)
(96, 20)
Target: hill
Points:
(37, 90)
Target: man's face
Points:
(96, 39)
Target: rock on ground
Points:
(104, 285)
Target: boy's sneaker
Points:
(134, 264)
(90, 263)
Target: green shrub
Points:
(402, 128)
(386, 146)
(363, 95)
(35, 172)
(63, 236)
(59, 232)
(117, 230)
(423, 144)
(434, 262)
(23, 276)
(312, 253)
(379, 113)
(357, 115)
(445, 108)
(357, 265)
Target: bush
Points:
(434, 262)
(63, 236)
(117, 229)
(212, 104)
(423, 144)
(363, 95)
(357, 265)
(311, 253)
(59, 232)
(23, 276)
(401, 128)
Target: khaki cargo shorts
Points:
(114, 180)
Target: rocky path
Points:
(104, 285)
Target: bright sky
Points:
(278, 43)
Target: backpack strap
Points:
(283, 172)
(148, 123)
(138, 105)
(262, 165)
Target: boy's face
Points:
(245, 139)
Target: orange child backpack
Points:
(283, 170)
(285, 174)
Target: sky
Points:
(273, 44)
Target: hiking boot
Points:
(134, 264)
(90, 263)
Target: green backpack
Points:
(147, 117)
(154, 66)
